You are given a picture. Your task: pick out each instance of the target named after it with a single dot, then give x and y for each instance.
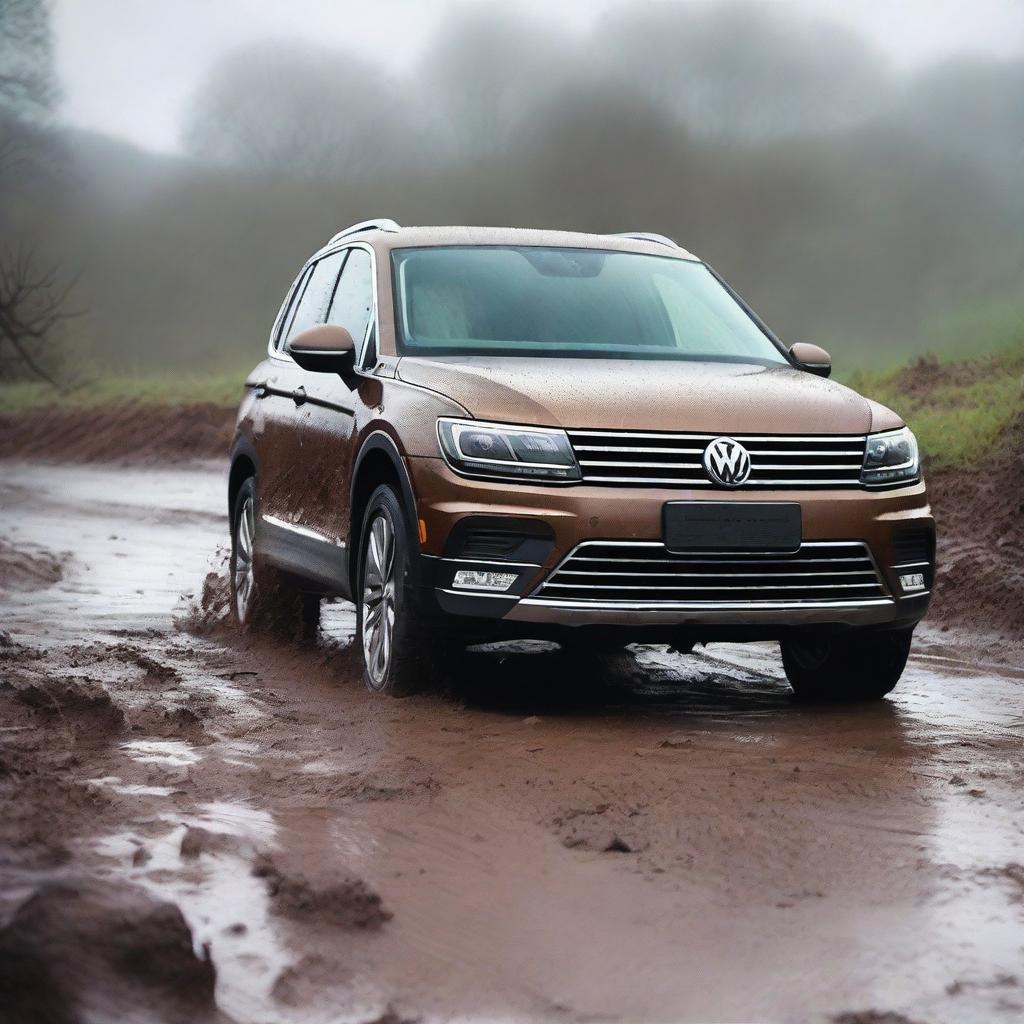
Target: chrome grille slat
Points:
(642, 465)
(636, 448)
(665, 459)
(625, 571)
(710, 575)
(684, 482)
(671, 435)
(778, 586)
(711, 561)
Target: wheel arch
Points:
(379, 462)
(243, 466)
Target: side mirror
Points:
(812, 359)
(325, 348)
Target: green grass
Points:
(962, 411)
(157, 389)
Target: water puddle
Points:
(228, 910)
(170, 753)
(114, 783)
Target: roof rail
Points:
(648, 236)
(378, 224)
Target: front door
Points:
(288, 461)
(326, 417)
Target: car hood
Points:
(737, 398)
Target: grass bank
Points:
(157, 389)
(964, 412)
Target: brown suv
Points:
(481, 433)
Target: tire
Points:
(401, 654)
(857, 666)
(261, 598)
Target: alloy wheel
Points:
(244, 574)
(378, 600)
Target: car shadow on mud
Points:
(528, 678)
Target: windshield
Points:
(583, 303)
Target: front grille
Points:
(624, 457)
(647, 573)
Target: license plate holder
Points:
(732, 526)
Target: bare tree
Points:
(32, 303)
(298, 111)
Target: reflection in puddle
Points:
(113, 782)
(235, 819)
(225, 906)
(173, 753)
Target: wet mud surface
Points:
(199, 825)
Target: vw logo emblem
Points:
(727, 462)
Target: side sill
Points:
(305, 554)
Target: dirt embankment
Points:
(980, 522)
(131, 432)
(980, 513)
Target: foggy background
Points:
(854, 170)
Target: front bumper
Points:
(581, 513)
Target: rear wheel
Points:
(859, 665)
(261, 598)
(400, 654)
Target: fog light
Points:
(471, 579)
(912, 581)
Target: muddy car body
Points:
(480, 433)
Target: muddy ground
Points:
(200, 826)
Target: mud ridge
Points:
(77, 949)
(347, 903)
(129, 431)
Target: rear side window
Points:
(352, 305)
(312, 303)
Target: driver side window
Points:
(352, 305)
(312, 304)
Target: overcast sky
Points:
(129, 66)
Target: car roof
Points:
(386, 235)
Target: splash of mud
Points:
(29, 567)
(210, 611)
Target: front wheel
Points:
(400, 654)
(856, 666)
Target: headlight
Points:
(492, 449)
(891, 457)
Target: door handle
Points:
(259, 389)
(299, 395)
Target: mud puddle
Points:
(644, 837)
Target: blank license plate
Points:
(731, 525)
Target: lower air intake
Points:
(646, 573)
